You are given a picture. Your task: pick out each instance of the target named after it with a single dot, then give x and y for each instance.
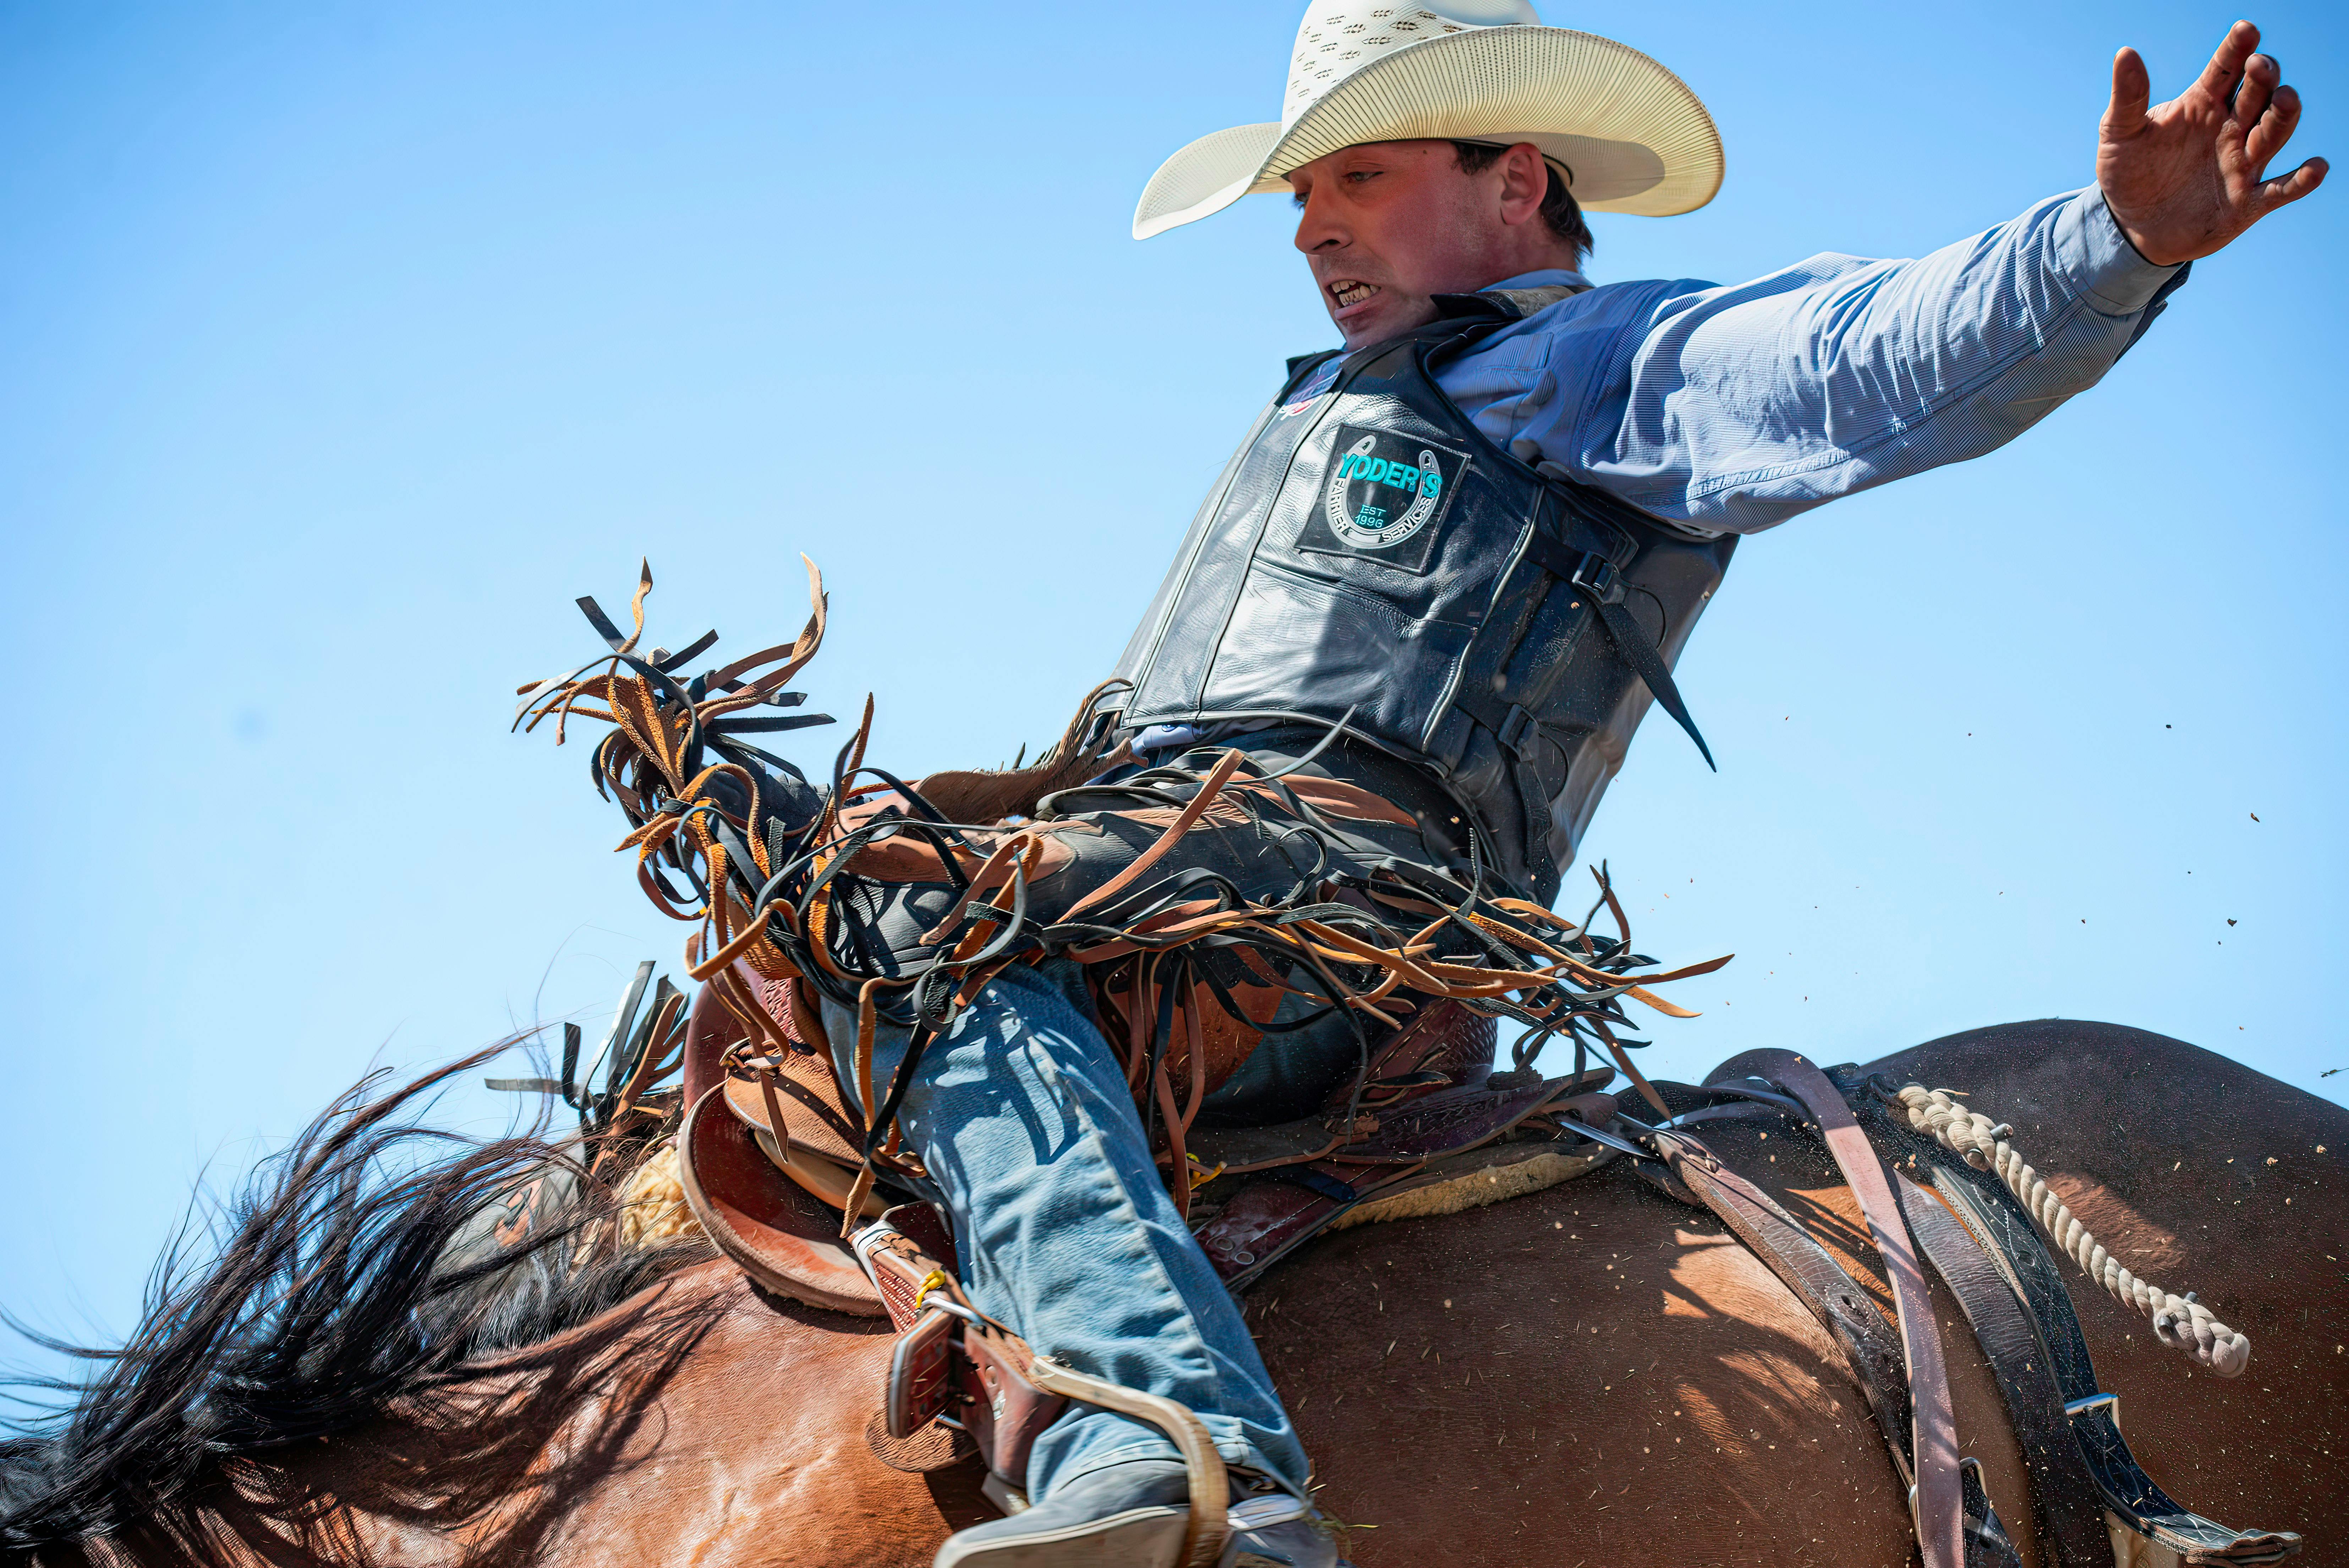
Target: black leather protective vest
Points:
(1368, 552)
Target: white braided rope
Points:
(2178, 1320)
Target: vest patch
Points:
(1383, 498)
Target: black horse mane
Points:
(319, 1298)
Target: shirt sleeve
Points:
(1733, 409)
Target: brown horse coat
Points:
(1590, 1375)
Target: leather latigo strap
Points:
(1869, 1345)
(1939, 1505)
(2066, 1503)
(2089, 1492)
(1811, 1271)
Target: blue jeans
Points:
(1065, 1230)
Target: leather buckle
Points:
(1519, 730)
(1600, 578)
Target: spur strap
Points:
(1208, 1526)
(1939, 1499)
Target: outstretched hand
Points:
(2185, 178)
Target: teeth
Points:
(1347, 292)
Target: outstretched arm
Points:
(2186, 177)
(1737, 407)
(1749, 405)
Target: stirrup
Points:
(1009, 1393)
(1209, 1526)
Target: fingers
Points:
(2261, 76)
(2273, 129)
(2292, 187)
(2132, 92)
(2226, 68)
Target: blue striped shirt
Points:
(1731, 408)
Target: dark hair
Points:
(1558, 207)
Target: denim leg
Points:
(1066, 1232)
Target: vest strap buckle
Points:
(1519, 731)
(1600, 578)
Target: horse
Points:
(1589, 1374)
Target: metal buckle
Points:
(1600, 578)
(2109, 1403)
(1519, 730)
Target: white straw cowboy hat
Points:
(1631, 136)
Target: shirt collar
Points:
(1545, 277)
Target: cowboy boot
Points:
(1275, 1529)
(1132, 1515)
(1129, 1515)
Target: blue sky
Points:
(341, 346)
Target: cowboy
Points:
(1468, 547)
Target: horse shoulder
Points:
(1592, 1369)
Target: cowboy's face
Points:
(1389, 224)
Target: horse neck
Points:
(482, 1470)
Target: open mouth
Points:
(1348, 293)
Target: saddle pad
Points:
(1269, 1218)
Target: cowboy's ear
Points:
(1525, 179)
